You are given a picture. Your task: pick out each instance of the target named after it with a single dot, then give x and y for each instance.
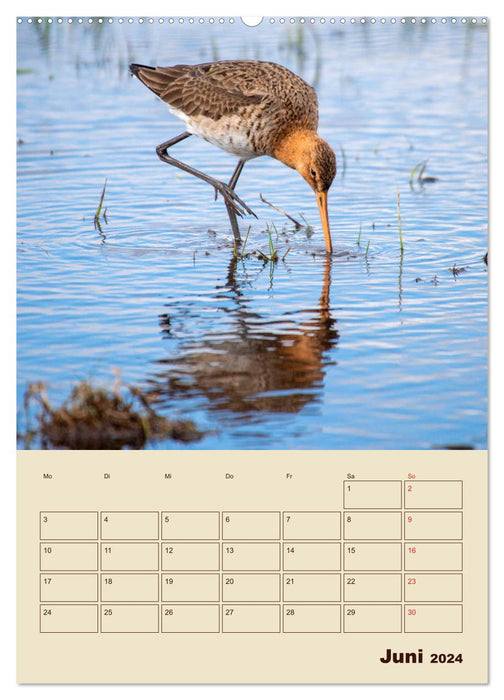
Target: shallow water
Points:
(370, 349)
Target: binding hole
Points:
(251, 21)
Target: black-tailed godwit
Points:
(249, 109)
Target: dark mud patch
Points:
(101, 419)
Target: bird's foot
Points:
(237, 205)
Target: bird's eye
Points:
(313, 173)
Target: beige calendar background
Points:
(269, 567)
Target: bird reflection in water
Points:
(250, 369)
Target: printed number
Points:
(47, 550)
(229, 550)
(290, 550)
(289, 580)
(169, 581)
(105, 519)
(47, 581)
(411, 581)
(168, 611)
(229, 611)
(446, 659)
(351, 550)
(167, 518)
(108, 581)
(287, 518)
(410, 519)
(290, 611)
(47, 611)
(349, 519)
(350, 580)
(169, 550)
(350, 611)
(410, 487)
(229, 581)
(227, 519)
(107, 611)
(412, 550)
(411, 611)
(44, 519)
(108, 550)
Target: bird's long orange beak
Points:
(324, 217)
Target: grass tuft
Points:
(273, 254)
(417, 174)
(307, 226)
(399, 220)
(99, 210)
(240, 254)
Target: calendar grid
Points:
(390, 561)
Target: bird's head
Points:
(318, 167)
(315, 161)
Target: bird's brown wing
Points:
(209, 89)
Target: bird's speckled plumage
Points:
(233, 103)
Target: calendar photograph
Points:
(252, 235)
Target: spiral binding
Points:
(269, 20)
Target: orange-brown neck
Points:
(294, 148)
(314, 160)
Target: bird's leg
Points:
(236, 174)
(231, 213)
(233, 202)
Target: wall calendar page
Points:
(252, 350)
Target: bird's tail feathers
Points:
(156, 79)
